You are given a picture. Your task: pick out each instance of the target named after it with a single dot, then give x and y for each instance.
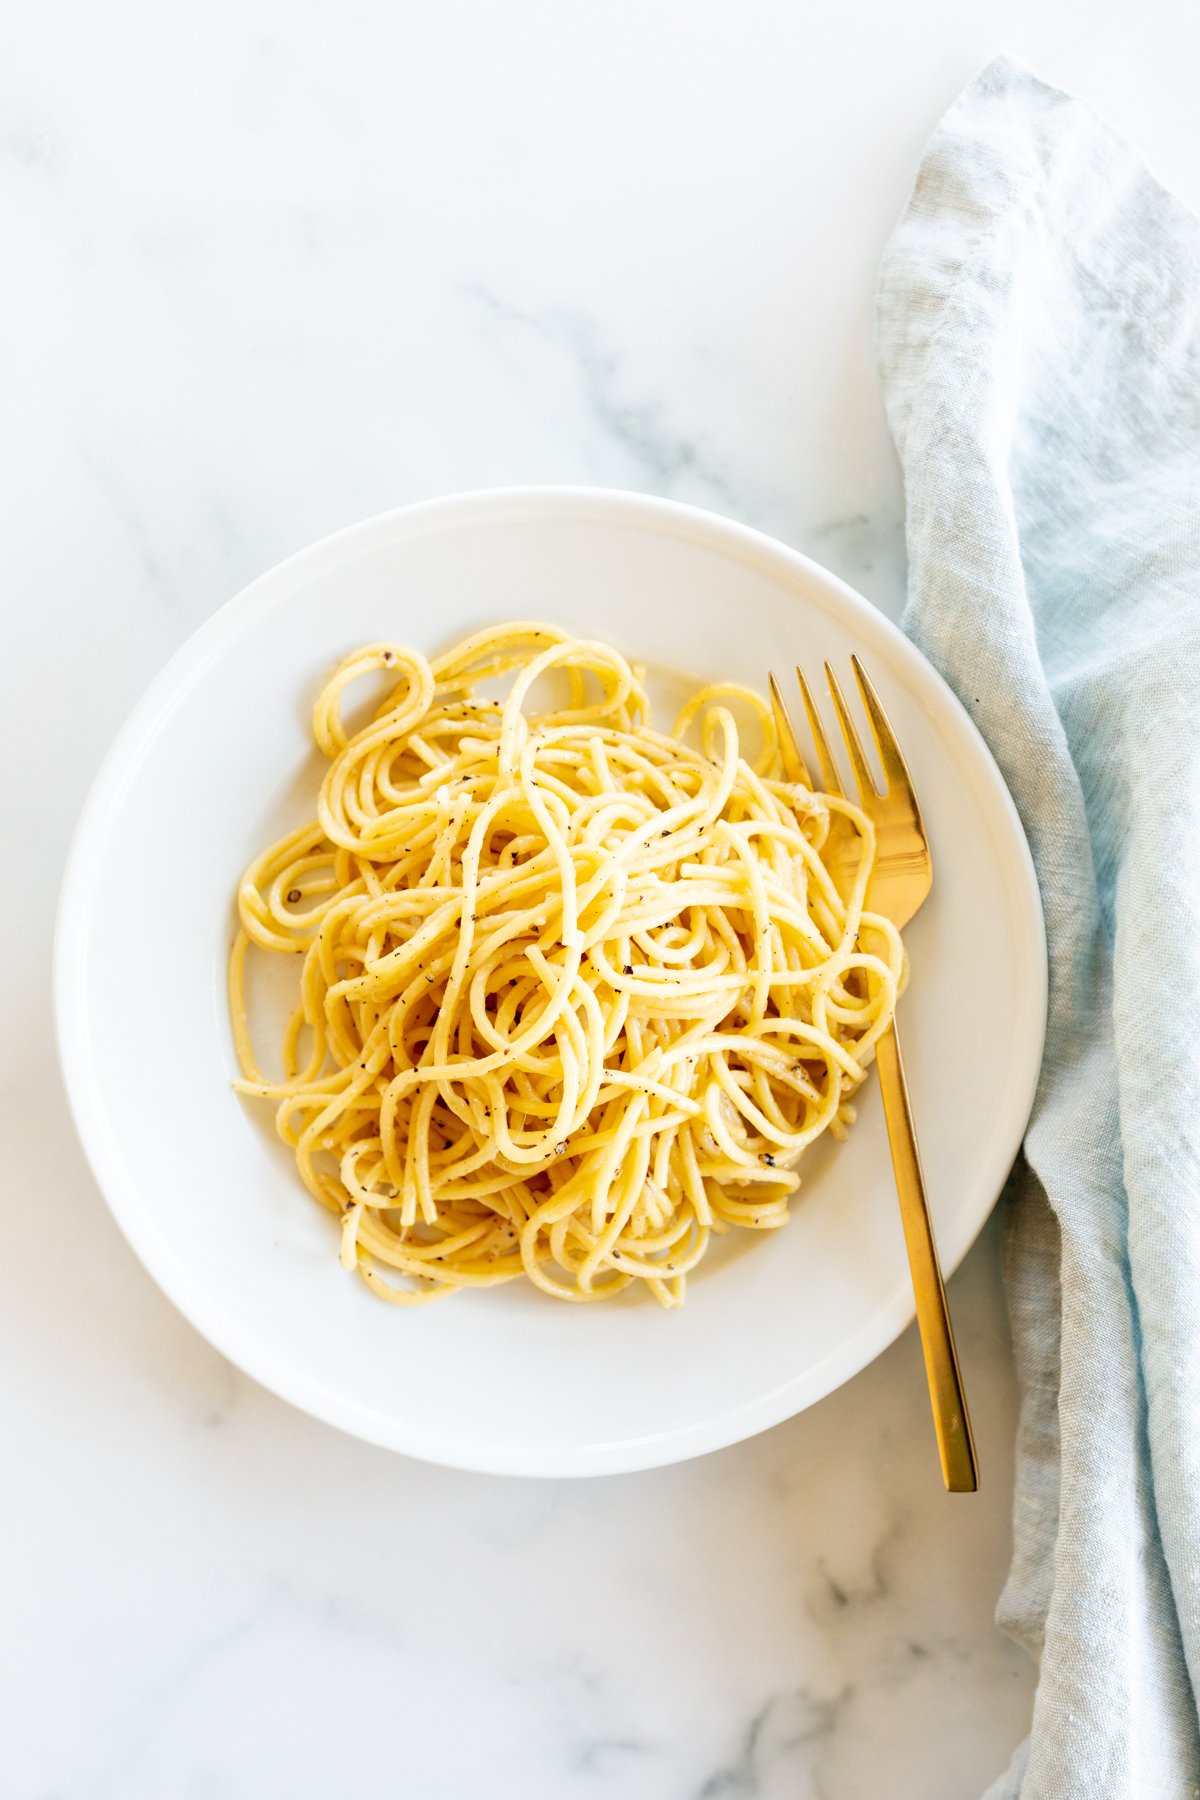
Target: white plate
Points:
(206, 769)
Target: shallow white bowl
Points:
(216, 759)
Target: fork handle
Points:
(956, 1447)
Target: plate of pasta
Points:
(471, 1028)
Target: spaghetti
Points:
(575, 994)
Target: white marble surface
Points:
(269, 269)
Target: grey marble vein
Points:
(780, 1743)
(658, 449)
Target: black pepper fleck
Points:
(628, 969)
(293, 896)
(768, 1159)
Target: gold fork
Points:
(900, 882)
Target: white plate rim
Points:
(135, 739)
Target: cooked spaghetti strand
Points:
(575, 994)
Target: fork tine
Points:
(829, 769)
(895, 769)
(794, 766)
(862, 769)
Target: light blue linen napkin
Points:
(1039, 335)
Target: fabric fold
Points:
(1039, 342)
